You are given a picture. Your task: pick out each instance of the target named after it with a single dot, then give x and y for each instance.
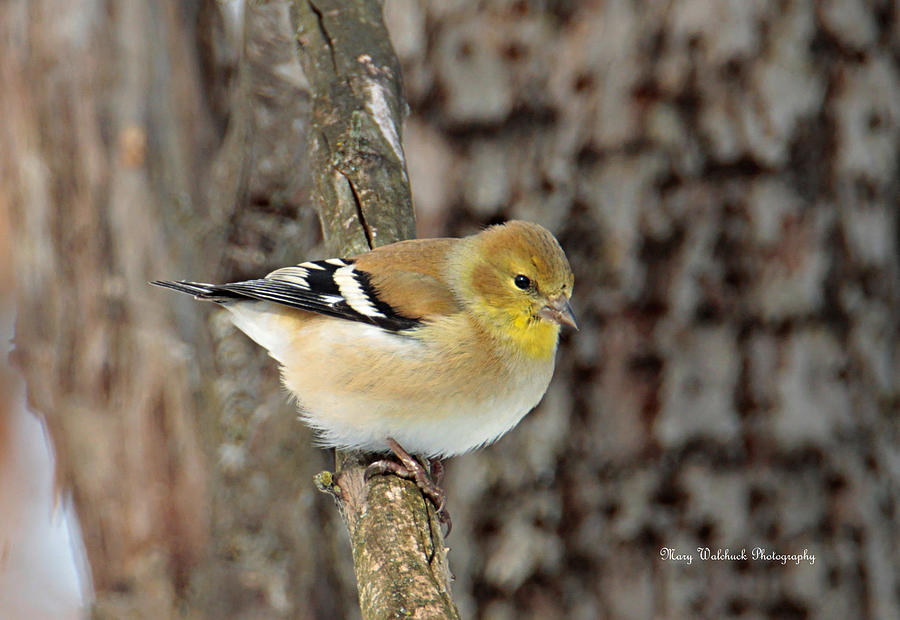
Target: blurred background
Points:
(723, 176)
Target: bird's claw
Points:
(411, 469)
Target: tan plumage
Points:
(442, 344)
(408, 276)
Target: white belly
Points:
(430, 428)
(399, 387)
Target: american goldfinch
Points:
(438, 345)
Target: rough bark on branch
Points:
(361, 190)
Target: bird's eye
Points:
(523, 282)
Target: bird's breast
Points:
(358, 384)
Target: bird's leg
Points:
(411, 469)
(437, 471)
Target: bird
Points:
(428, 347)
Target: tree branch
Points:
(361, 190)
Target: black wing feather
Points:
(321, 294)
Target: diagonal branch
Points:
(361, 190)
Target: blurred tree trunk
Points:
(87, 187)
(724, 177)
(150, 87)
(116, 174)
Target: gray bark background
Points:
(724, 177)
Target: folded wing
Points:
(394, 297)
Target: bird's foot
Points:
(411, 469)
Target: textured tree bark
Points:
(361, 190)
(724, 179)
(361, 186)
(722, 175)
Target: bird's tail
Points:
(199, 290)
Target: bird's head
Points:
(519, 282)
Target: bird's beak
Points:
(559, 311)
